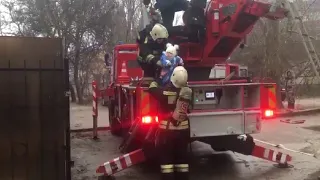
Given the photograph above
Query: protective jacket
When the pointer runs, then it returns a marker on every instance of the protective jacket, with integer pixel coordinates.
(173, 104)
(173, 136)
(149, 52)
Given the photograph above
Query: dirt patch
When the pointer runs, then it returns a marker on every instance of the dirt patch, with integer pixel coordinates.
(88, 154)
(308, 149)
(81, 117)
(314, 176)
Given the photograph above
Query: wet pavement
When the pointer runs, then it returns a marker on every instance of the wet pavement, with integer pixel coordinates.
(89, 154)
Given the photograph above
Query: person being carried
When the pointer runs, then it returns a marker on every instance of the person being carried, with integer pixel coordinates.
(169, 61)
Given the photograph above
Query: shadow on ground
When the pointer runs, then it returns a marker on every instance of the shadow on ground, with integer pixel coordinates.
(217, 166)
(313, 128)
(89, 154)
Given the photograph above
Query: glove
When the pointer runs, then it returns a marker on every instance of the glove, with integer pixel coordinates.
(168, 63)
(174, 122)
(159, 63)
(139, 59)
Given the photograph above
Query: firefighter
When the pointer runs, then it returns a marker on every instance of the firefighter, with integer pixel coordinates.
(290, 83)
(193, 18)
(152, 42)
(168, 9)
(172, 137)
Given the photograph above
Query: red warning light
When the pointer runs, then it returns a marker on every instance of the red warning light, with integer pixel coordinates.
(149, 119)
(268, 113)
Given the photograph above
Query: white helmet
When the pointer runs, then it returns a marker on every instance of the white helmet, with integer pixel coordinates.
(179, 77)
(159, 32)
(172, 49)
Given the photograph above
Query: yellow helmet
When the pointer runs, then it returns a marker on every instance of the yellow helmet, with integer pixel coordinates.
(159, 32)
(179, 77)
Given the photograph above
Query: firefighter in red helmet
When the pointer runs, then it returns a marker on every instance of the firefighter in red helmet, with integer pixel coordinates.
(173, 135)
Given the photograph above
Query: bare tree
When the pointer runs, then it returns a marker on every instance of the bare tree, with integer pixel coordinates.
(133, 13)
(272, 50)
(85, 24)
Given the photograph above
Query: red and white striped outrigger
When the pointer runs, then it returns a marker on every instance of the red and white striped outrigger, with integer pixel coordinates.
(120, 163)
(127, 160)
(271, 155)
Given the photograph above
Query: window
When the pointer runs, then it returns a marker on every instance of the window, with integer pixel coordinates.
(243, 73)
(133, 64)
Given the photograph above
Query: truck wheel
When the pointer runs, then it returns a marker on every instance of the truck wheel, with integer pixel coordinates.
(113, 122)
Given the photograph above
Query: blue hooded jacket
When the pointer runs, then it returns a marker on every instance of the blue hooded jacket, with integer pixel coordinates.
(167, 70)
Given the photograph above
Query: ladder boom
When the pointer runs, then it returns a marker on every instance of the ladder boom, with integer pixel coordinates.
(295, 14)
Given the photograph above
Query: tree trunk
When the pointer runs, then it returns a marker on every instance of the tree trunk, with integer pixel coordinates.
(76, 67)
(97, 78)
(76, 76)
(78, 86)
(73, 93)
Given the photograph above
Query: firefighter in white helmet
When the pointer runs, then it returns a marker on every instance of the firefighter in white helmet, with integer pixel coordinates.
(151, 44)
(173, 136)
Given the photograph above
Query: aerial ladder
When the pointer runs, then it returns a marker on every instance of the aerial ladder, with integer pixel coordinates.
(296, 18)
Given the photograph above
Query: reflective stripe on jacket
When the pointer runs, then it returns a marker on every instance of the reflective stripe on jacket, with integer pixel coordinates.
(165, 124)
(168, 168)
(181, 167)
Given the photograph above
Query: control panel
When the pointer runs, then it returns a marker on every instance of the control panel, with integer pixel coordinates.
(204, 96)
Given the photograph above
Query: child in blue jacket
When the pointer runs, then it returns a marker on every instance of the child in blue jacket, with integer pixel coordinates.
(169, 60)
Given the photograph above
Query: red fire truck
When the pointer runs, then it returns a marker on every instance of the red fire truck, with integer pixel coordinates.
(227, 105)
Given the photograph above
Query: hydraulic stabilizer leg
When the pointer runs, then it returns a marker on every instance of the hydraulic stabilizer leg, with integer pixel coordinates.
(272, 155)
(118, 164)
(135, 157)
(263, 152)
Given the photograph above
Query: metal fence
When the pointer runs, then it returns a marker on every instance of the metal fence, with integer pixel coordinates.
(34, 109)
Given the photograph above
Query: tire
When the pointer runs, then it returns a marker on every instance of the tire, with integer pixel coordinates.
(113, 122)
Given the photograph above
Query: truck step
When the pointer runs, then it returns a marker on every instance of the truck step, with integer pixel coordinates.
(120, 163)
